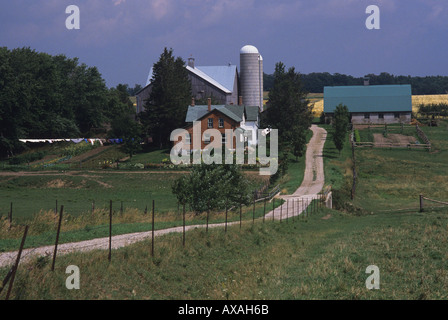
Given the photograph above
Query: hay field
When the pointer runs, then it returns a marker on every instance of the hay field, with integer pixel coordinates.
(318, 101)
(428, 99)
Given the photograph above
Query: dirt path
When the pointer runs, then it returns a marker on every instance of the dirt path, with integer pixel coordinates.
(296, 203)
(313, 180)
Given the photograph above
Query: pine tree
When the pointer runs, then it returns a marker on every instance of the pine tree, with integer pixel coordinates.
(289, 112)
(340, 124)
(170, 96)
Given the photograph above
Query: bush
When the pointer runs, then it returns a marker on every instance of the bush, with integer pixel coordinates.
(26, 158)
(357, 136)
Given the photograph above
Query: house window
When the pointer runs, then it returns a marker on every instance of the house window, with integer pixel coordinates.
(396, 115)
(187, 139)
(381, 115)
(224, 138)
(221, 122)
(210, 122)
(206, 138)
(366, 115)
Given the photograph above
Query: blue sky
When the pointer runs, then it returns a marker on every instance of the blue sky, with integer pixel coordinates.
(123, 38)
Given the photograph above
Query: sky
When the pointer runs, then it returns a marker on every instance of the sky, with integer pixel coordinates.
(124, 38)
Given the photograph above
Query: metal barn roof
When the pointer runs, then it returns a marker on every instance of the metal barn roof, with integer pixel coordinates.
(224, 75)
(385, 98)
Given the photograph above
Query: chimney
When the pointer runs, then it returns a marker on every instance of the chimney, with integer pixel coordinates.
(191, 62)
(209, 100)
(192, 101)
(240, 100)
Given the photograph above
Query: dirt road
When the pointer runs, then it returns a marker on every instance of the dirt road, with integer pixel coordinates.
(295, 204)
(313, 180)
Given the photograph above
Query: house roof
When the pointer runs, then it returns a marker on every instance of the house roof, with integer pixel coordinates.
(385, 98)
(234, 112)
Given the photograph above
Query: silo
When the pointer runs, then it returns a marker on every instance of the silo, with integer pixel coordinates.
(251, 76)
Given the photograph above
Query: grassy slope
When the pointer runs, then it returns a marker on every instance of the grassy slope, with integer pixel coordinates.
(307, 259)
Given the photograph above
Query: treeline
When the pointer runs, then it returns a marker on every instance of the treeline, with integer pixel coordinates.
(315, 82)
(45, 96)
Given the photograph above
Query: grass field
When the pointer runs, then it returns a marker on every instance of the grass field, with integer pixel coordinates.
(324, 256)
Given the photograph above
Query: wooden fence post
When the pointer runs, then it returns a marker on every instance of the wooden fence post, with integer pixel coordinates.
(110, 231)
(152, 236)
(421, 203)
(287, 209)
(241, 214)
(253, 213)
(264, 210)
(206, 227)
(57, 238)
(273, 208)
(10, 216)
(225, 229)
(16, 265)
(183, 218)
(281, 212)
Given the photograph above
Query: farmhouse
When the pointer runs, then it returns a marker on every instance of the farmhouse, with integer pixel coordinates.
(222, 83)
(371, 104)
(222, 118)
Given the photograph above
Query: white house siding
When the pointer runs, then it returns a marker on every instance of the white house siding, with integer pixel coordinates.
(251, 126)
(388, 117)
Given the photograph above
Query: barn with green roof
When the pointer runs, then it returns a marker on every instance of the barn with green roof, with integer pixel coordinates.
(371, 104)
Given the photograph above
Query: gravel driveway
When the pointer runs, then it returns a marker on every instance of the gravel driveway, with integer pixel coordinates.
(312, 184)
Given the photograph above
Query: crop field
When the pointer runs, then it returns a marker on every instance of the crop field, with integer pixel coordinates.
(428, 99)
(316, 99)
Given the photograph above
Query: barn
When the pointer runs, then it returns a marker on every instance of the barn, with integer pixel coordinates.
(223, 83)
(371, 104)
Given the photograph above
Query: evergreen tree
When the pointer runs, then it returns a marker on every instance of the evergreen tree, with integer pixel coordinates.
(340, 124)
(170, 96)
(289, 112)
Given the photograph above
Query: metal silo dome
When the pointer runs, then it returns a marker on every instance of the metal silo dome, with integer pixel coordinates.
(248, 49)
(251, 76)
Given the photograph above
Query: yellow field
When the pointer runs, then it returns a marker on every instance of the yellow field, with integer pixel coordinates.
(317, 101)
(428, 99)
(416, 101)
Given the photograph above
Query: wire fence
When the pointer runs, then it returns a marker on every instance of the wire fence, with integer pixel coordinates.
(47, 246)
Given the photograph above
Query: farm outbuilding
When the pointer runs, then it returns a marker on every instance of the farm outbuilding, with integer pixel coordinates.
(223, 83)
(376, 104)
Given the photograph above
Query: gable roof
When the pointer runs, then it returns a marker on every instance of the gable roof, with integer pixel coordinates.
(209, 79)
(381, 98)
(224, 75)
(234, 112)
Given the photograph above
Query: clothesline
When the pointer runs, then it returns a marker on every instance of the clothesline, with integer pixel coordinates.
(78, 140)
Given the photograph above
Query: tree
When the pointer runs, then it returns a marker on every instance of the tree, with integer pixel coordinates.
(289, 112)
(170, 96)
(212, 187)
(44, 96)
(340, 124)
(126, 128)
